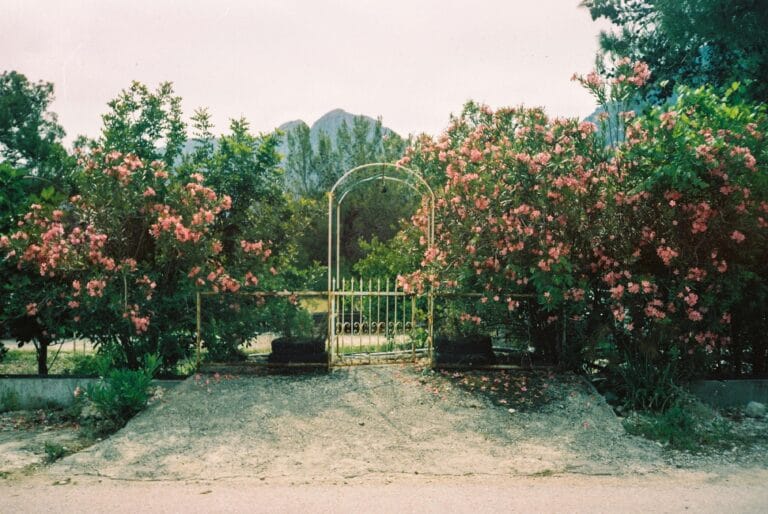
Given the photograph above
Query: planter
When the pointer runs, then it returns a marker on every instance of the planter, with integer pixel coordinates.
(288, 350)
(464, 350)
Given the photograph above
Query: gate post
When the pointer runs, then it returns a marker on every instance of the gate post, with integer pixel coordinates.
(329, 342)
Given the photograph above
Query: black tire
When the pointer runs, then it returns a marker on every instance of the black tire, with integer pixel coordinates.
(465, 351)
(290, 346)
(464, 345)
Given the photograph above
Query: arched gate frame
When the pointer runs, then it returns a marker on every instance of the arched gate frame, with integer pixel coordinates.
(347, 183)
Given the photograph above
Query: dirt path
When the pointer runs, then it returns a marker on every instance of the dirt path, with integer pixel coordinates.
(363, 422)
(676, 492)
(395, 438)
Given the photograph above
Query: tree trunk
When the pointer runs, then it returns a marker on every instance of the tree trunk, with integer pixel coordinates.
(131, 359)
(42, 356)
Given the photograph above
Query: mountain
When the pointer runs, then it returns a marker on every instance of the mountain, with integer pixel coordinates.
(328, 123)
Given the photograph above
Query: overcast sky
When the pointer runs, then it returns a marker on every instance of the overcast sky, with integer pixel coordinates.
(413, 62)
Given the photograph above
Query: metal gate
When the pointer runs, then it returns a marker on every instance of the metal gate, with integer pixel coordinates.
(370, 320)
(377, 322)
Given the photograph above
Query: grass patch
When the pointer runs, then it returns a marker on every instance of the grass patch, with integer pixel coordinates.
(687, 425)
(23, 362)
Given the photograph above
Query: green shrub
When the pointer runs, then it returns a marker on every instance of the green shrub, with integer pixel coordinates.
(647, 384)
(686, 425)
(122, 393)
(54, 451)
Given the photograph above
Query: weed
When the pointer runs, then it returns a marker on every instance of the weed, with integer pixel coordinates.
(54, 451)
(686, 425)
(647, 385)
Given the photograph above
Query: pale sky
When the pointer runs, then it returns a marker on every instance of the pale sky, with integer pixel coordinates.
(413, 62)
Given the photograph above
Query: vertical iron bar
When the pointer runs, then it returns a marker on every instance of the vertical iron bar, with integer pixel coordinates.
(378, 311)
(413, 326)
(198, 336)
(430, 323)
(338, 240)
(343, 309)
(335, 318)
(368, 295)
(405, 317)
(360, 318)
(394, 326)
(386, 323)
(331, 281)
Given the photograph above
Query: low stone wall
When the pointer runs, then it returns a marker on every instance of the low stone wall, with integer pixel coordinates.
(37, 392)
(731, 393)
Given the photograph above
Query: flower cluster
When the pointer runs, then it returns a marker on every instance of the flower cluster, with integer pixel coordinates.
(662, 231)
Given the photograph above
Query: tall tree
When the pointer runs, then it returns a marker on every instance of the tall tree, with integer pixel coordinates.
(367, 214)
(145, 123)
(325, 164)
(690, 42)
(34, 168)
(299, 172)
(30, 136)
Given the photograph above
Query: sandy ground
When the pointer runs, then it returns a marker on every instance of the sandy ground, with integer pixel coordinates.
(677, 492)
(382, 439)
(377, 422)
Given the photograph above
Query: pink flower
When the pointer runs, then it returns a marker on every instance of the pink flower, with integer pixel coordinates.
(668, 120)
(31, 309)
(482, 203)
(140, 323)
(96, 288)
(251, 279)
(666, 254)
(738, 236)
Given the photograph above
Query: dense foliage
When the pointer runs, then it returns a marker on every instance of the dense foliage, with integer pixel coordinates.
(638, 241)
(372, 213)
(689, 42)
(655, 247)
(120, 260)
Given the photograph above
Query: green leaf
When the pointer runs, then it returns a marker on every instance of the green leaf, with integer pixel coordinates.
(47, 193)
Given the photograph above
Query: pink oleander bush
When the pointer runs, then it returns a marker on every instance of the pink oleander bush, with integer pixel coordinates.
(655, 245)
(121, 260)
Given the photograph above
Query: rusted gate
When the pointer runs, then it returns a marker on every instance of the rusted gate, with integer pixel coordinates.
(376, 321)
